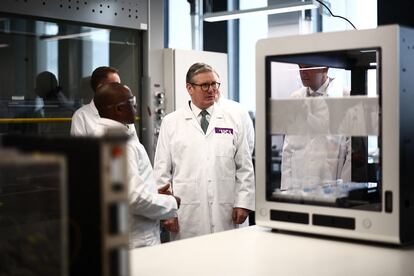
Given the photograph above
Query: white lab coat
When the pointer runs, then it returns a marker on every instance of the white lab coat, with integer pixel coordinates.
(146, 206)
(234, 108)
(212, 173)
(312, 159)
(85, 119)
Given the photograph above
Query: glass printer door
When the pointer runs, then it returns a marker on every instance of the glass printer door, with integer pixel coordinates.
(323, 129)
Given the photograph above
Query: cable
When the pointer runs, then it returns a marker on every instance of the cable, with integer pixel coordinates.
(333, 15)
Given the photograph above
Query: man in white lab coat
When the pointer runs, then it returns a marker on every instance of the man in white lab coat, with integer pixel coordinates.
(203, 151)
(117, 109)
(313, 157)
(84, 119)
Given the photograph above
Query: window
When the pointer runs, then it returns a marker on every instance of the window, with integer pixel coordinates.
(46, 67)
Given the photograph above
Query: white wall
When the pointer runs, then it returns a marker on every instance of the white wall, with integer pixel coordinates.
(179, 25)
(363, 14)
(251, 30)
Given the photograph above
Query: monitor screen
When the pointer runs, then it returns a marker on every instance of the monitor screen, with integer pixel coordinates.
(323, 129)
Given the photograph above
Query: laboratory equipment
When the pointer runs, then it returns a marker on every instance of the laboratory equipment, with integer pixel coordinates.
(33, 214)
(97, 199)
(335, 158)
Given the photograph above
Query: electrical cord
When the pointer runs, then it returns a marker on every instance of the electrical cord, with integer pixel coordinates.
(333, 15)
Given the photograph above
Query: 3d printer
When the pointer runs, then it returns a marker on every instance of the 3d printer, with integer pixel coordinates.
(334, 134)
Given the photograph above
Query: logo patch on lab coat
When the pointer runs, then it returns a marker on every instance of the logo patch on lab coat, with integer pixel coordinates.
(223, 130)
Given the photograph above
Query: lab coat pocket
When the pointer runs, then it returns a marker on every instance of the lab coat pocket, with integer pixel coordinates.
(224, 146)
(186, 189)
(226, 191)
(224, 152)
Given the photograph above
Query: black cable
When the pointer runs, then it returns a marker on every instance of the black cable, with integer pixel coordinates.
(333, 15)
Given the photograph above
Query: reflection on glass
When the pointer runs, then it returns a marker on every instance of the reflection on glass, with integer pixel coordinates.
(46, 68)
(323, 129)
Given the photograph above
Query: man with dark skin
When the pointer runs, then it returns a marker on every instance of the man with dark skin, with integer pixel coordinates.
(115, 106)
(117, 109)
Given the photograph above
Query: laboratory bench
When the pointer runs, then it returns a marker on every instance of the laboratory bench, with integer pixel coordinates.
(259, 251)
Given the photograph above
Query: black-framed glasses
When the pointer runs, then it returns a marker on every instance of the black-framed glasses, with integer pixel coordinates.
(132, 101)
(206, 86)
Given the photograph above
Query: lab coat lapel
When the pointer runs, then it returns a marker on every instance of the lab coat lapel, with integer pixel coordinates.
(190, 118)
(215, 120)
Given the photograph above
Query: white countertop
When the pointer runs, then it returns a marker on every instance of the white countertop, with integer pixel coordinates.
(256, 251)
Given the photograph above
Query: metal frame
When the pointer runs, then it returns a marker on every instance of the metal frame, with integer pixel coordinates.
(127, 14)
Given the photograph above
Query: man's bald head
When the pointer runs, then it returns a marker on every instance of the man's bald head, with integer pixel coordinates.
(113, 101)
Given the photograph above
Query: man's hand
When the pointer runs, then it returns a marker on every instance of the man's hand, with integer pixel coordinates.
(239, 215)
(165, 190)
(171, 225)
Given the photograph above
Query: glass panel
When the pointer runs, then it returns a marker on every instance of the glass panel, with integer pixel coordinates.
(323, 129)
(46, 68)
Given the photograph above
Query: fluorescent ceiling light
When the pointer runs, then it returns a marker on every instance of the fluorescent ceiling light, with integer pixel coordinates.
(312, 68)
(274, 9)
(69, 36)
(368, 51)
(96, 35)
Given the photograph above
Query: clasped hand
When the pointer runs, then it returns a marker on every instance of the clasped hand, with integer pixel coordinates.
(165, 190)
(170, 225)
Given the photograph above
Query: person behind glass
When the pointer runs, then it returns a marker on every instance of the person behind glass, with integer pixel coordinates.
(314, 157)
(48, 89)
(203, 152)
(85, 118)
(117, 108)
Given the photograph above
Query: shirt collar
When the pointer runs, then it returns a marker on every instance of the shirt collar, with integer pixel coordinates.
(109, 123)
(197, 110)
(94, 109)
(322, 91)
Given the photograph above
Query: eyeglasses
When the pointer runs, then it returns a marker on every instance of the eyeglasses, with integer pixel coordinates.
(206, 86)
(132, 101)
